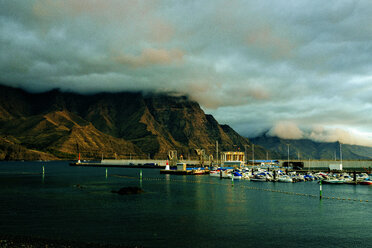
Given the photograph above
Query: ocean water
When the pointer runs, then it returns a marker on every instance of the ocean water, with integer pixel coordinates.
(76, 204)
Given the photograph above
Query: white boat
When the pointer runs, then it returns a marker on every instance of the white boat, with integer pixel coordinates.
(366, 182)
(362, 177)
(347, 178)
(333, 180)
(255, 179)
(259, 178)
(215, 173)
(247, 176)
(285, 179)
(220, 173)
(235, 176)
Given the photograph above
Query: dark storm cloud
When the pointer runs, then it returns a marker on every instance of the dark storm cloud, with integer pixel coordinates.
(291, 67)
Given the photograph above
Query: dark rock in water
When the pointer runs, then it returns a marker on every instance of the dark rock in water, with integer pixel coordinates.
(79, 186)
(128, 191)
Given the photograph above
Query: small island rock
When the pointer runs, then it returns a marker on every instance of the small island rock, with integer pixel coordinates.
(128, 191)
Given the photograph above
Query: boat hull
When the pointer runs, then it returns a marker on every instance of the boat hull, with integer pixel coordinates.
(367, 182)
(258, 179)
(333, 181)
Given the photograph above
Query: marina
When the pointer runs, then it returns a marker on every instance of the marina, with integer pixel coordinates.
(267, 170)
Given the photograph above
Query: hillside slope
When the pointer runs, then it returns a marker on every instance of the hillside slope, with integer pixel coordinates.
(120, 125)
(308, 149)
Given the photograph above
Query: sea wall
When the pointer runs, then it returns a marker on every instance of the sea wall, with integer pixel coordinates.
(141, 162)
(346, 164)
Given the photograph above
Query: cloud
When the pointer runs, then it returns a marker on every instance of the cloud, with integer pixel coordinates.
(344, 136)
(150, 57)
(213, 95)
(286, 130)
(253, 65)
(290, 130)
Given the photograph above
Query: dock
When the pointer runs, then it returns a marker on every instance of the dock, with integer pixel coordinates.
(86, 164)
(184, 172)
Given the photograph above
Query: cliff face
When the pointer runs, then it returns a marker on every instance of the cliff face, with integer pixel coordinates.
(122, 125)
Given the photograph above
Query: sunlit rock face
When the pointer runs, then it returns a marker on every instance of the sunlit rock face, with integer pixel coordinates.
(57, 124)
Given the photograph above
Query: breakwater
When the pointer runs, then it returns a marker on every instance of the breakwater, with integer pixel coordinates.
(322, 164)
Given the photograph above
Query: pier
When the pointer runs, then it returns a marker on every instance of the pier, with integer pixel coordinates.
(185, 172)
(358, 166)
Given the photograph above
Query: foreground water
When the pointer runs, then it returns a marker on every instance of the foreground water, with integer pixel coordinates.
(76, 203)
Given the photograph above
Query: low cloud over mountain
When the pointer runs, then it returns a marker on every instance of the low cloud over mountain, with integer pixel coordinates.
(250, 64)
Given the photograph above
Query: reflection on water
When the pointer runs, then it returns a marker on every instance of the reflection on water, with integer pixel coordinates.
(72, 203)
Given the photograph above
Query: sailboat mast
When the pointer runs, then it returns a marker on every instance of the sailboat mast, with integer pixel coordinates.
(217, 152)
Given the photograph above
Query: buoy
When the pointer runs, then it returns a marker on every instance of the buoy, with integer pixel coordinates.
(43, 176)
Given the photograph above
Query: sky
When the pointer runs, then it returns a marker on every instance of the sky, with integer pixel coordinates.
(294, 69)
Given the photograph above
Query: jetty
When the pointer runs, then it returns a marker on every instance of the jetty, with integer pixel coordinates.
(97, 164)
(185, 172)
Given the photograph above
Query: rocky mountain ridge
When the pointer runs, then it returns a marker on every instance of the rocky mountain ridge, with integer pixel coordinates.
(58, 125)
(308, 149)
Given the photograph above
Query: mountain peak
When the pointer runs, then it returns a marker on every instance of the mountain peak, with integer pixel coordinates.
(115, 124)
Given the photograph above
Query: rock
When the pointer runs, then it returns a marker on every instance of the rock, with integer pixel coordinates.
(79, 186)
(128, 191)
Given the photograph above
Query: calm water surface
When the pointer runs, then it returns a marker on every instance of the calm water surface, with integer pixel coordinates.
(76, 203)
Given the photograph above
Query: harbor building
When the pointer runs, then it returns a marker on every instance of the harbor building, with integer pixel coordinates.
(233, 159)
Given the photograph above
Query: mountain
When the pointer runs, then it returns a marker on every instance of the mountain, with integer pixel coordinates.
(308, 149)
(58, 125)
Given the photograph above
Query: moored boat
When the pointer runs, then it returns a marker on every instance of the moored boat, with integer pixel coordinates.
(333, 180)
(235, 175)
(259, 178)
(285, 179)
(215, 173)
(366, 182)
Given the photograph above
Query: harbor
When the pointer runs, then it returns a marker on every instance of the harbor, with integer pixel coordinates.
(233, 166)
